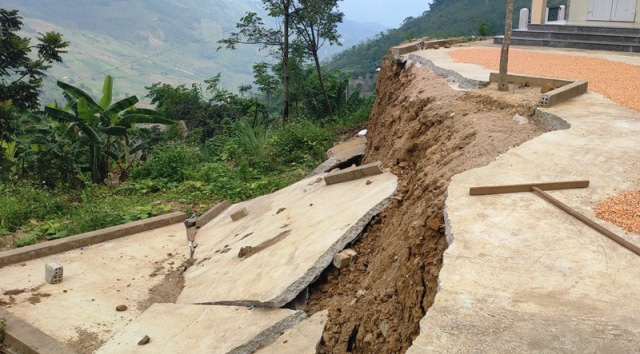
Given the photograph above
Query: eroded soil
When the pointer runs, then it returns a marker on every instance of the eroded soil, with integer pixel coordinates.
(425, 132)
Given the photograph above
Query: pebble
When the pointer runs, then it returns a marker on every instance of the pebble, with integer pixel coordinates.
(144, 340)
(121, 308)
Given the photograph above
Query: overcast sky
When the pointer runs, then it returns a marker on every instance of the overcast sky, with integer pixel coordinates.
(386, 12)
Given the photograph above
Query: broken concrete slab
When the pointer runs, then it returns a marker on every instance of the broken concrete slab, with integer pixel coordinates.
(302, 338)
(97, 278)
(212, 213)
(341, 153)
(347, 145)
(297, 230)
(354, 173)
(175, 328)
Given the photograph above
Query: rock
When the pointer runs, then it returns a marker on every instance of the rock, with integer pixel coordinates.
(435, 46)
(191, 222)
(434, 223)
(344, 258)
(368, 338)
(384, 328)
(121, 308)
(144, 340)
(520, 119)
(447, 45)
(546, 88)
(369, 182)
(360, 293)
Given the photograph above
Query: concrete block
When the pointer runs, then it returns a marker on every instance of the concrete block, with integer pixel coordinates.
(53, 273)
(237, 215)
(212, 213)
(351, 174)
(48, 248)
(344, 258)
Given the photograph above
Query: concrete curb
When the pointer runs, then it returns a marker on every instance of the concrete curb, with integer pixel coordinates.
(26, 339)
(212, 213)
(82, 240)
(464, 82)
(565, 89)
(419, 45)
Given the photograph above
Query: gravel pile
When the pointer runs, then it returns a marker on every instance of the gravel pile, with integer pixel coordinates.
(622, 210)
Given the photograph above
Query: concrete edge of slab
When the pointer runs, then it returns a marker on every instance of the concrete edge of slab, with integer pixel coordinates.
(26, 339)
(533, 80)
(89, 238)
(564, 93)
(464, 82)
(419, 45)
(270, 334)
(350, 174)
(326, 166)
(212, 213)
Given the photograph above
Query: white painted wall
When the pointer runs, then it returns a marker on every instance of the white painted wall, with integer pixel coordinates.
(578, 12)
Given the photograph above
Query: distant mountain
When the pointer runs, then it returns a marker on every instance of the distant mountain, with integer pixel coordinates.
(352, 33)
(445, 18)
(179, 36)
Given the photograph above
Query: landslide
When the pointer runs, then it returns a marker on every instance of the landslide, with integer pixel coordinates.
(425, 132)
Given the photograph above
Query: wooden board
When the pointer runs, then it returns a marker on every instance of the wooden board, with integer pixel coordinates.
(519, 188)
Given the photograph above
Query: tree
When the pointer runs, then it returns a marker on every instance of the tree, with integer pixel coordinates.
(20, 74)
(252, 30)
(316, 23)
(503, 85)
(267, 83)
(103, 126)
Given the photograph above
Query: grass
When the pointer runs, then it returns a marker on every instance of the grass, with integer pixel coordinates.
(241, 164)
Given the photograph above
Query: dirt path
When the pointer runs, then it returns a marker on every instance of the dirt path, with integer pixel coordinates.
(618, 81)
(426, 132)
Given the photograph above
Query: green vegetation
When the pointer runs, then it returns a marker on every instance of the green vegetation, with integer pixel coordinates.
(91, 163)
(446, 18)
(3, 324)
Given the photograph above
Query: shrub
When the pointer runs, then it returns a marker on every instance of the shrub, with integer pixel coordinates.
(171, 162)
(20, 203)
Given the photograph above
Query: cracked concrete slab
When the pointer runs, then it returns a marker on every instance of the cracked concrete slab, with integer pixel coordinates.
(302, 338)
(521, 275)
(96, 279)
(287, 240)
(178, 328)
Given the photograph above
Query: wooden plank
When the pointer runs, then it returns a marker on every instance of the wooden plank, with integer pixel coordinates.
(592, 224)
(519, 188)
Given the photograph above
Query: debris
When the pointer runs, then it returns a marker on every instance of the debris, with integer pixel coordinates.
(371, 169)
(237, 215)
(369, 182)
(344, 258)
(447, 45)
(546, 88)
(144, 340)
(360, 293)
(363, 132)
(384, 328)
(53, 273)
(121, 308)
(520, 119)
(191, 222)
(318, 180)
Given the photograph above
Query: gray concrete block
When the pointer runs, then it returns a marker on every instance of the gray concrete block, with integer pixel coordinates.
(351, 174)
(239, 214)
(53, 273)
(212, 213)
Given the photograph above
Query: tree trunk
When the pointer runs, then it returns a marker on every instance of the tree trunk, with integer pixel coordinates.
(503, 85)
(321, 80)
(285, 58)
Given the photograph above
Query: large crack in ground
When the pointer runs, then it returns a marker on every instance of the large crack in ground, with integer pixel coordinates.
(426, 133)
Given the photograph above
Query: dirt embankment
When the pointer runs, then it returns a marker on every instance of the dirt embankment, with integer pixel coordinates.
(426, 133)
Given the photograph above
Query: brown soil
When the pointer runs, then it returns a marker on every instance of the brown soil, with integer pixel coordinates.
(169, 289)
(426, 133)
(85, 342)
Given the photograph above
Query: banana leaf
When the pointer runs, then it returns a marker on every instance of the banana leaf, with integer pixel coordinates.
(107, 89)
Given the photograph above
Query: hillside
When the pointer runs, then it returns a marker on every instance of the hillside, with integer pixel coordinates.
(446, 18)
(106, 34)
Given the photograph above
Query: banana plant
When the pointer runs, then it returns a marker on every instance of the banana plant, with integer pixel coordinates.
(104, 126)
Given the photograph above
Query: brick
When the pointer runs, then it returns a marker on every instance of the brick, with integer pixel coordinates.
(237, 215)
(53, 273)
(351, 174)
(212, 213)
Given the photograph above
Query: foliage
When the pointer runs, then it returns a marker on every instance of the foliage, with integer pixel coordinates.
(484, 29)
(20, 74)
(172, 162)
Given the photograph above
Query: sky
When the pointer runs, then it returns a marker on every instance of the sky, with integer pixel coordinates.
(389, 13)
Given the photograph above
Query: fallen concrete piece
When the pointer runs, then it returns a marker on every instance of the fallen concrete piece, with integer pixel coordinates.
(24, 338)
(289, 238)
(237, 215)
(344, 258)
(174, 328)
(97, 279)
(90, 238)
(350, 174)
(303, 338)
(212, 213)
(346, 146)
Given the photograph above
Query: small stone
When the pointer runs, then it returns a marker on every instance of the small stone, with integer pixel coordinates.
(368, 338)
(447, 45)
(369, 182)
(144, 340)
(384, 328)
(546, 88)
(520, 119)
(121, 308)
(360, 293)
(344, 258)
(435, 46)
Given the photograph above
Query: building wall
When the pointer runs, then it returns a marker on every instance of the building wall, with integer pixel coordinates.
(578, 12)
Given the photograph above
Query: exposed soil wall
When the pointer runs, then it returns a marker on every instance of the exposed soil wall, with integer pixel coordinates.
(425, 132)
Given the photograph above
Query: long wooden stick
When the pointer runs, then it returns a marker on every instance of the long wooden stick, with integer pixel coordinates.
(518, 188)
(622, 242)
